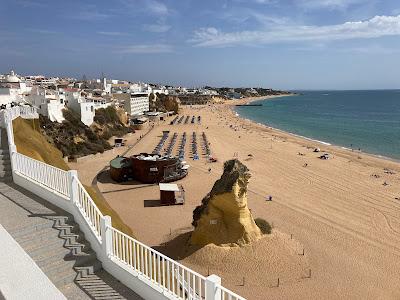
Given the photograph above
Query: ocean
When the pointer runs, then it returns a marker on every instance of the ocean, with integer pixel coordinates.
(369, 120)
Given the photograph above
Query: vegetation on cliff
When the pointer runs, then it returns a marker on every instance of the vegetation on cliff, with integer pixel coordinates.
(74, 139)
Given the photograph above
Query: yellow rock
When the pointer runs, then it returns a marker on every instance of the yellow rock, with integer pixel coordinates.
(224, 217)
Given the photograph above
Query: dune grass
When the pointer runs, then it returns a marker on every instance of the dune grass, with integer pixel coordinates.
(32, 143)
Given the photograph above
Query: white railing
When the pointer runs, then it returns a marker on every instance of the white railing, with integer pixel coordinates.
(166, 273)
(24, 111)
(28, 112)
(89, 210)
(14, 112)
(49, 176)
(226, 294)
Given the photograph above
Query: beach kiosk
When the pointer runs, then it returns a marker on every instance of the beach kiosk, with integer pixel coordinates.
(171, 194)
(120, 169)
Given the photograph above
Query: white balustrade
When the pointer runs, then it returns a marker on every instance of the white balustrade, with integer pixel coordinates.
(160, 269)
(47, 175)
(89, 210)
(14, 112)
(226, 294)
(24, 111)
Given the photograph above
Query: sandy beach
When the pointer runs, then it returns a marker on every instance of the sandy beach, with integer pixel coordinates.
(338, 211)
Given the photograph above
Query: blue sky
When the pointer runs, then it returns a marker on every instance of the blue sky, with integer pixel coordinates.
(287, 44)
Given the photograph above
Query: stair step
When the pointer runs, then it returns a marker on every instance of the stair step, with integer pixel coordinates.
(46, 233)
(5, 173)
(32, 247)
(33, 229)
(5, 167)
(88, 269)
(23, 231)
(41, 234)
(65, 277)
(46, 258)
(61, 279)
(54, 243)
(6, 179)
(69, 229)
(63, 220)
(61, 265)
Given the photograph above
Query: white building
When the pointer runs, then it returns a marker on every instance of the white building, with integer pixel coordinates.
(159, 90)
(85, 106)
(12, 89)
(138, 104)
(49, 103)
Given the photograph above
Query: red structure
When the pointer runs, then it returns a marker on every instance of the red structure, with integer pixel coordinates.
(147, 168)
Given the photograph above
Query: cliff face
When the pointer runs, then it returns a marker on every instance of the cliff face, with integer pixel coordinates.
(224, 217)
(75, 139)
(162, 102)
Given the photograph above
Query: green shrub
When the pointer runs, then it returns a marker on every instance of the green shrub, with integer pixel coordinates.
(264, 226)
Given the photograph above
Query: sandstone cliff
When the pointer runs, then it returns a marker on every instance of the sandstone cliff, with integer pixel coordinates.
(224, 217)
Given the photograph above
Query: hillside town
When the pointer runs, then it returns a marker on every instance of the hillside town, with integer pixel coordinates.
(51, 96)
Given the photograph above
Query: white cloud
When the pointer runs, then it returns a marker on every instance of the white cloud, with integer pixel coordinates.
(378, 26)
(152, 7)
(157, 7)
(331, 4)
(90, 16)
(244, 15)
(146, 49)
(159, 28)
(111, 33)
(372, 49)
(42, 31)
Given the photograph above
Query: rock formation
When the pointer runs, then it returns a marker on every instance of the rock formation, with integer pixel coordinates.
(224, 217)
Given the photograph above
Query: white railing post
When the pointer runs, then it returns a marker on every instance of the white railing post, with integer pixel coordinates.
(73, 186)
(212, 290)
(106, 235)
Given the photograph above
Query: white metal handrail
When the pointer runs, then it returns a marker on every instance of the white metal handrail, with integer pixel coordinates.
(227, 294)
(47, 175)
(89, 210)
(155, 266)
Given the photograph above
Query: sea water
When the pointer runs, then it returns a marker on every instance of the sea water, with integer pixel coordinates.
(366, 120)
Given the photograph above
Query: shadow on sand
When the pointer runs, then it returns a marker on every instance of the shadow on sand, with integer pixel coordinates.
(152, 203)
(104, 177)
(178, 247)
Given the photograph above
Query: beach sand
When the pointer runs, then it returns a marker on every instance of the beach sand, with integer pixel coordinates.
(337, 210)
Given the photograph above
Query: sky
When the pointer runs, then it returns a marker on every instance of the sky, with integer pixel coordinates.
(281, 44)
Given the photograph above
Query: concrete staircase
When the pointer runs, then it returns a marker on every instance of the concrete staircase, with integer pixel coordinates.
(53, 240)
